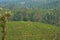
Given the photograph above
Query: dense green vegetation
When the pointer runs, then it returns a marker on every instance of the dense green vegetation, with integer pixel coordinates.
(49, 16)
(46, 11)
(16, 30)
(30, 19)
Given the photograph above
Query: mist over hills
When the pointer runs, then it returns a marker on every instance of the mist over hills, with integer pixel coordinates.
(30, 3)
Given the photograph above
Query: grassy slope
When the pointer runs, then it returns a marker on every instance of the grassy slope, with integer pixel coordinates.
(30, 31)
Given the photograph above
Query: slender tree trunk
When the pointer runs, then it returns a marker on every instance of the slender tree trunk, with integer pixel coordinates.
(3, 32)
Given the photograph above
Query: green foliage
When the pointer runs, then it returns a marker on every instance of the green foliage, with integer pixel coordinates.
(50, 16)
(45, 15)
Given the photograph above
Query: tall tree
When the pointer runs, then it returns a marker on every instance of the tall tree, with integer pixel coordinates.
(3, 19)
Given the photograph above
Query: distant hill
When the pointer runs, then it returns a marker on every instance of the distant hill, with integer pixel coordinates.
(30, 3)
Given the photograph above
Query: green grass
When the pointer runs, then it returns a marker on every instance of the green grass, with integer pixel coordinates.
(30, 31)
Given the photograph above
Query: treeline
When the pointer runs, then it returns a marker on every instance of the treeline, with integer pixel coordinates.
(50, 16)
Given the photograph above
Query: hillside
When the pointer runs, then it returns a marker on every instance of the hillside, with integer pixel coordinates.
(30, 3)
(31, 31)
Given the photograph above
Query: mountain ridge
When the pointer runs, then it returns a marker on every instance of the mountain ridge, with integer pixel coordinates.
(31, 3)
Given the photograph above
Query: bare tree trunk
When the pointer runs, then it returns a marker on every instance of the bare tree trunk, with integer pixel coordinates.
(3, 32)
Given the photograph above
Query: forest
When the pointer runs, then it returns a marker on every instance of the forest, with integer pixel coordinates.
(49, 16)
